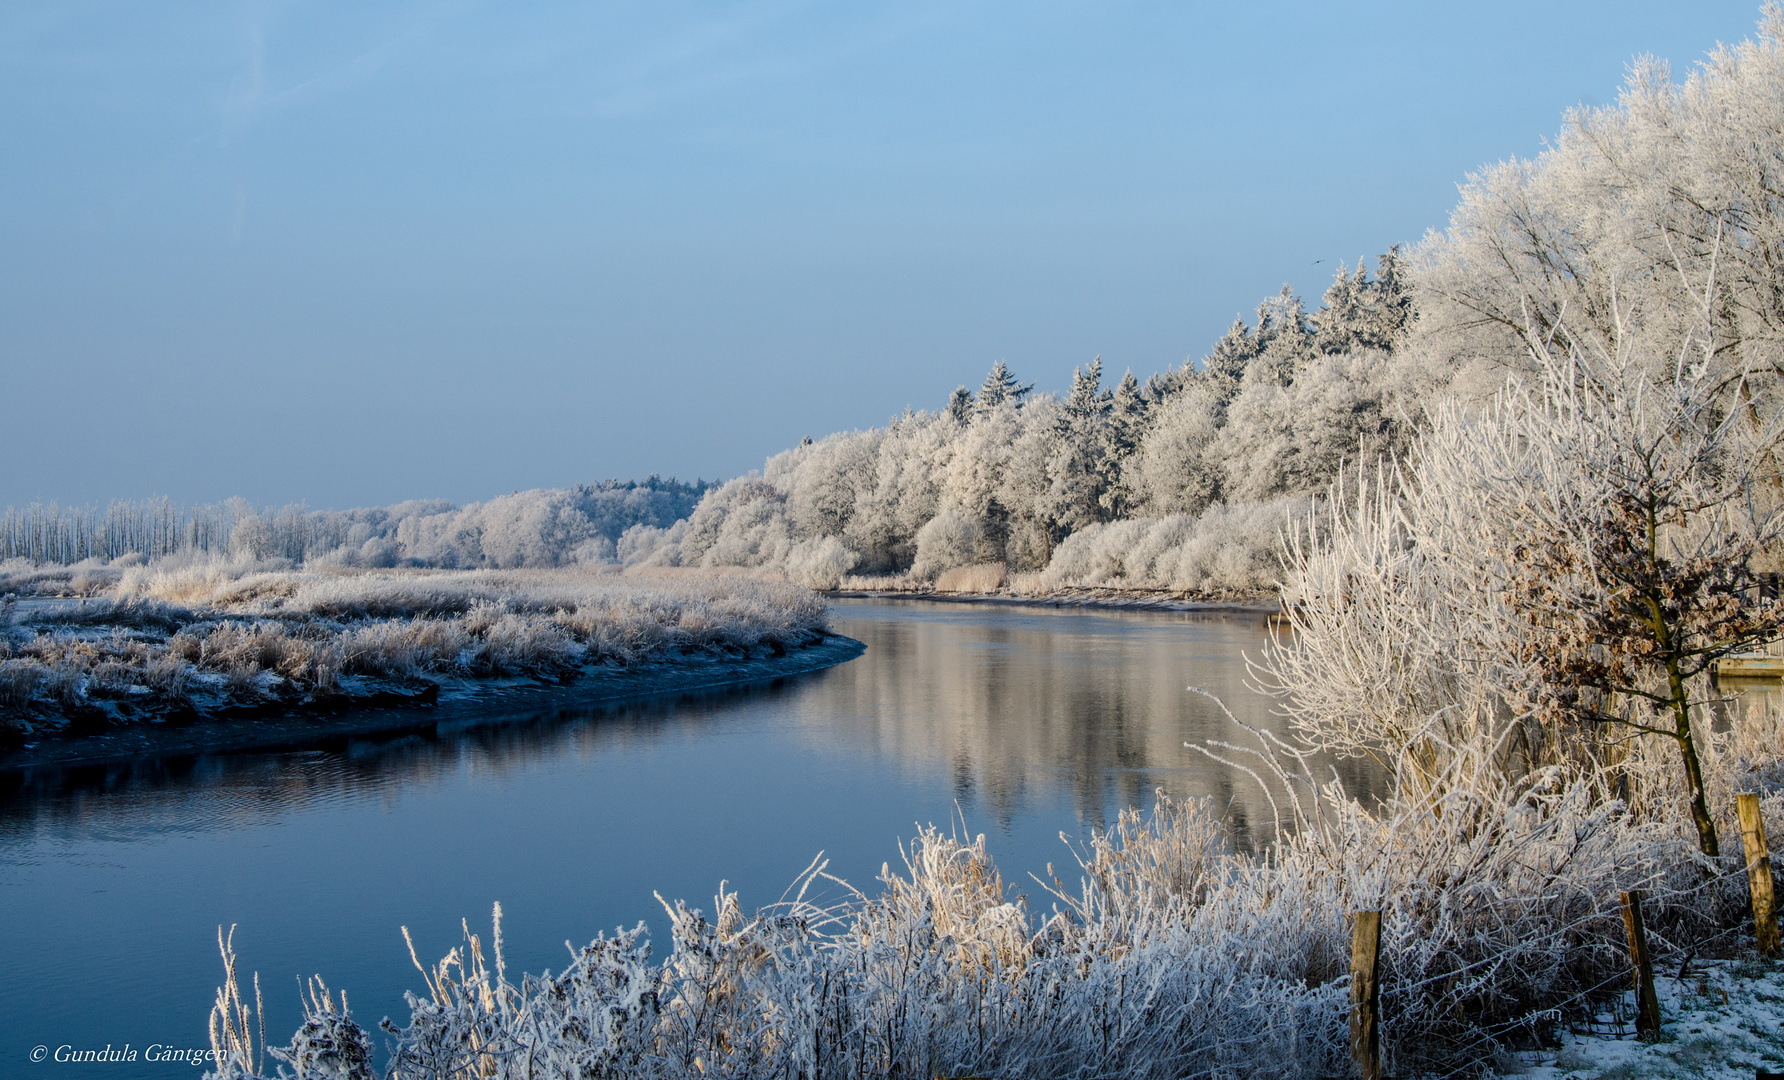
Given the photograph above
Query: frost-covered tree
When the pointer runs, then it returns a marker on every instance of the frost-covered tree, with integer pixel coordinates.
(1025, 535)
(1001, 387)
(948, 540)
(1637, 510)
(1358, 312)
(960, 405)
(1126, 426)
(1225, 364)
(1079, 470)
(1630, 208)
(1176, 472)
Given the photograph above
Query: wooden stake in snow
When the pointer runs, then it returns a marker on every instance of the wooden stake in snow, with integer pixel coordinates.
(1759, 873)
(1365, 995)
(1647, 1007)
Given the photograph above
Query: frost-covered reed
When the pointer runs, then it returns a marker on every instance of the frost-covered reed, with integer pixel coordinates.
(212, 634)
(978, 578)
(1163, 953)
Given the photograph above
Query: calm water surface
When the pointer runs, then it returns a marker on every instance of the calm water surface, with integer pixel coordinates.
(1023, 722)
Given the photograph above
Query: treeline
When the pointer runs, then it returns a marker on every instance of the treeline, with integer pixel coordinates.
(1645, 221)
(1005, 474)
(1656, 214)
(150, 528)
(549, 527)
(1002, 475)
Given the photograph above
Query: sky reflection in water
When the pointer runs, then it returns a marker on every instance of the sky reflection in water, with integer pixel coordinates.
(1024, 722)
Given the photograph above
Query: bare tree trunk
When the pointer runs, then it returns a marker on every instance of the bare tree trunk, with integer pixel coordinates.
(1700, 811)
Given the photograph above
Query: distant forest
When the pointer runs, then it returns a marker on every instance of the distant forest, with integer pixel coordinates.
(528, 528)
(1001, 474)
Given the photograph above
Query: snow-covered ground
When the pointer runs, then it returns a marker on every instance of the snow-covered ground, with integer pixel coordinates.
(1723, 1020)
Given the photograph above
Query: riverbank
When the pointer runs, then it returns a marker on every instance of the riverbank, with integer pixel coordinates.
(244, 653)
(1082, 597)
(459, 705)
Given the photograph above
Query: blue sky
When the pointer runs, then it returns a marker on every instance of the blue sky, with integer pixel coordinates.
(351, 253)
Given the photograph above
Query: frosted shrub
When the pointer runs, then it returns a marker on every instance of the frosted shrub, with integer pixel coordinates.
(820, 563)
(950, 539)
(1225, 551)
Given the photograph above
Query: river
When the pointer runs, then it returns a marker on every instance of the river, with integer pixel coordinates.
(1018, 722)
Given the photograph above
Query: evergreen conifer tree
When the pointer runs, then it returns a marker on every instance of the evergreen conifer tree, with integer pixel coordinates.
(960, 405)
(1129, 413)
(1078, 471)
(1001, 386)
(1224, 366)
(1358, 313)
(1284, 339)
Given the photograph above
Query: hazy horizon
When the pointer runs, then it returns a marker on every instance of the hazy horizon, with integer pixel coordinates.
(340, 257)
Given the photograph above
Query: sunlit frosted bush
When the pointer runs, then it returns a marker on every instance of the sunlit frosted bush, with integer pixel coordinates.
(948, 540)
(1226, 550)
(820, 563)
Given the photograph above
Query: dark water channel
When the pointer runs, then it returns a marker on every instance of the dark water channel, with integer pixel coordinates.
(1024, 722)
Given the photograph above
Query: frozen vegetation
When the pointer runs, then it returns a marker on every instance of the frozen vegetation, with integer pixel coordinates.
(556, 527)
(1132, 486)
(85, 647)
(1516, 616)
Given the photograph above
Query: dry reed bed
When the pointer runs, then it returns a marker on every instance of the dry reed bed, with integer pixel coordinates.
(156, 642)
(1172, 955)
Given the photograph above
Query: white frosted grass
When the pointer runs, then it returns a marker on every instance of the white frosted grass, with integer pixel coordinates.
(1163, 954)
(978, 578)
(162, 630)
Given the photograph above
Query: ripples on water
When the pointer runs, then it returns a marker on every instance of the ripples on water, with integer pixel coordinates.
(1022, 722)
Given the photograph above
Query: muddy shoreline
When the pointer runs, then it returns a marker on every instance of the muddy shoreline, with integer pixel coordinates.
(461, 704)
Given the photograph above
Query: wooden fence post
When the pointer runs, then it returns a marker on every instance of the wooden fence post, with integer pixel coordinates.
(1365, 995)
(1647, 1007)
(1759, 873)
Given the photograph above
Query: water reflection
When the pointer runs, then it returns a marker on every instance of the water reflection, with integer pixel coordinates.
(1011, 705)
(185, 793)
(1020, 703)
(1027, 722)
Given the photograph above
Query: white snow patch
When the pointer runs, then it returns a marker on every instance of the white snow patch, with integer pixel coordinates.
(1723, 1021)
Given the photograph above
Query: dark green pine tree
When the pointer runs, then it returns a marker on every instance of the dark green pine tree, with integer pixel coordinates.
(1224, 366)
(1001, 386)
(960, 405)
(1359, 313)
(1129, 413)
(1078, 470)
